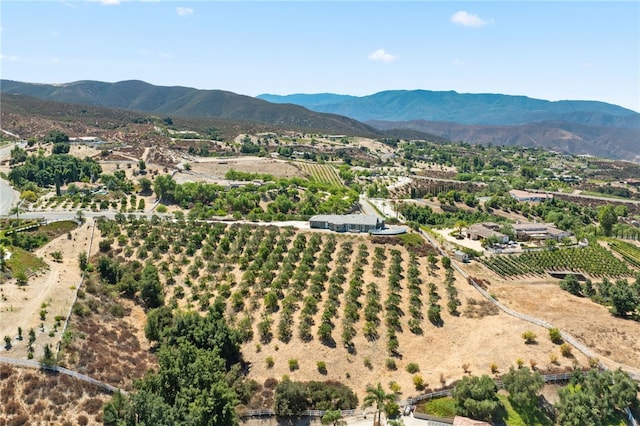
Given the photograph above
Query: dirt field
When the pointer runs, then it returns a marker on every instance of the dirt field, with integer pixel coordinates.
(55, 288)
(216, 168)
(615, 340)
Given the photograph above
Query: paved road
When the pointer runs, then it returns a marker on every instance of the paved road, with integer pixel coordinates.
(8, 196)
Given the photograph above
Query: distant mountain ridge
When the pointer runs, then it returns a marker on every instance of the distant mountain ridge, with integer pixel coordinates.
(577, 127)
(138, 95)
(451, 106)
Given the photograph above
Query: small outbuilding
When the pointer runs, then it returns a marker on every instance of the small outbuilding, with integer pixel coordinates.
(461, 256)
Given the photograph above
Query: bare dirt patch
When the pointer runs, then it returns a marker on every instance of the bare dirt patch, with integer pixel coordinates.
(614, 339)
(54, 288)
(218, 167)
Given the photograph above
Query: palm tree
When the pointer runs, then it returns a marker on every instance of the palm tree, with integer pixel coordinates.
(16, 210)
(377, 395)
(333, 418)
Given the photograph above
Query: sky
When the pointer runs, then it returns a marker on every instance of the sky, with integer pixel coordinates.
(554, 50)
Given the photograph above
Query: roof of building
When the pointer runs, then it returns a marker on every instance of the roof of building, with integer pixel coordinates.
(483, 231)
(519, 194)
(543, 228)
(353, 219)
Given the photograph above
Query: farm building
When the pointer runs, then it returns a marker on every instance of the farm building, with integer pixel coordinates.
(484, 230)
(539, 231)
(346, 222)
(526, 196)
(461, 256)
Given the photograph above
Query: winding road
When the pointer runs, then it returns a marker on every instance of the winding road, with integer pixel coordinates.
(8, 195)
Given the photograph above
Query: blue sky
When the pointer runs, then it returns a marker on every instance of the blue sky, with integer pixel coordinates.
(551, 50)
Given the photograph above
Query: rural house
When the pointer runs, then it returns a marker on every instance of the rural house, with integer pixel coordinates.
(346, 222)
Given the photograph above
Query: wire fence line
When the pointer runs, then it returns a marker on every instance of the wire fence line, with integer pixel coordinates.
(565, 336)
(62, 370)
(75, 296)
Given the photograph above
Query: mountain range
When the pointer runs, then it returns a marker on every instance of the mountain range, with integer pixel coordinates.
(577, 127)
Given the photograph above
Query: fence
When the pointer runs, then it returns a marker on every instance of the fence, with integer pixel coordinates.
(565, 336)
(62, 370)
(75, 296)
(306, 413)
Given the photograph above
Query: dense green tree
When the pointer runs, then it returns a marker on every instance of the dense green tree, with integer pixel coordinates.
(477, 397)
(607, 218)
(61, 148)
(571, 284)
(157, 320)
(624, 298)
(151, 290)
(523, 385)
(290, 398)
(163, 186)
(595, 397)
(56, 136)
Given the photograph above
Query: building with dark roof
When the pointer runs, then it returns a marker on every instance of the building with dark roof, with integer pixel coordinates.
(346, 222)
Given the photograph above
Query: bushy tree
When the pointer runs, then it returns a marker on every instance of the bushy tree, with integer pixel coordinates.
(150, 287)
(595, 397)
(523, 385)
(571, 284)
(477, 397)
(624, 298)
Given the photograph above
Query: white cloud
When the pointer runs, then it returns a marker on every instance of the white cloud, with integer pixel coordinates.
(184, 11)
(8, 58)
(109, 2)
(382, 56)
(55, 61)
(586, 64)
(459, 62)
(467, 19)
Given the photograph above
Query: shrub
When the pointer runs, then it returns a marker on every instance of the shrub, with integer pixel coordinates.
(565, 350)
(493, 367)
(412, 368)
(293, 364)
(269, 361)
(391, 364)
(553, 358)
(322, 367)
(418, 382)
(529, 337)
(555, 336)
(395, 387)
(368, 363)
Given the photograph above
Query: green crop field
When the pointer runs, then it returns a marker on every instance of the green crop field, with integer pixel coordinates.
(594, 260)
(322, 173)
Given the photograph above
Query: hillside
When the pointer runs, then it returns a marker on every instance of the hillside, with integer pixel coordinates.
(187, 102)
(580, 139)
(576, 127)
